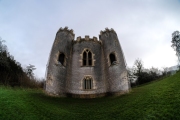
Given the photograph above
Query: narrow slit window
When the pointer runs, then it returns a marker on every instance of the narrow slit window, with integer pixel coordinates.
(84, 58)
(90, 58)
(112, 58)
(61, 58)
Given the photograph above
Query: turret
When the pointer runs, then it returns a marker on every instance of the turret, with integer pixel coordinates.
(116, 73)
(59, 62)
(86, 67)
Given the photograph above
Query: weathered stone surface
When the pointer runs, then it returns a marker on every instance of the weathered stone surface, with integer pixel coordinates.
(68, 78)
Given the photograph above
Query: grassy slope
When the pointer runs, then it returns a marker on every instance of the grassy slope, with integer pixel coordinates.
(158, 100)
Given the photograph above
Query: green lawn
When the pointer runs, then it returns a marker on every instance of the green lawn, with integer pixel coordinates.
(157, 100)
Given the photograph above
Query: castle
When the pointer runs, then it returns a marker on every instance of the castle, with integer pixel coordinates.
(86, 67)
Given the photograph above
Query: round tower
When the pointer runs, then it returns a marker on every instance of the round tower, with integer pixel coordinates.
(116, 73)
(59, 62)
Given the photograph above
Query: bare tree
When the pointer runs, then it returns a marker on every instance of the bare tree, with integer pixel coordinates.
(29, 71)
(3, 47)
(132, 77)
(155, 70)
(138, 66)
(165, 71)
(176, 44)
(138, 70)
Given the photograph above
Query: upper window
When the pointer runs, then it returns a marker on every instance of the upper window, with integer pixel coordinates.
(87, 58)
(61, 58)
(112, 58)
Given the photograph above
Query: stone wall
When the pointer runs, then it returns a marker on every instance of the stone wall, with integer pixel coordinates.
(116, 73)
(96, 71)
(67, 79)
(56, 72)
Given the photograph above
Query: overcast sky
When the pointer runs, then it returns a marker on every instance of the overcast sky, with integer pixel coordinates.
(144, 27)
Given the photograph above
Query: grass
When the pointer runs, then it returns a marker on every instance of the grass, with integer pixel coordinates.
(158, 100)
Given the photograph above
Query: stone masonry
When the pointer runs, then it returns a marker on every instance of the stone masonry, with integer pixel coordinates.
(86, 67)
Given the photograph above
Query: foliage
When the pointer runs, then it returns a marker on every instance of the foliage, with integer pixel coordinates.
(29, 71)
(138, 66)
(176, 44)
(158, 100)
(132, 77)
(143, 75)
(11, 72)
(165, 71)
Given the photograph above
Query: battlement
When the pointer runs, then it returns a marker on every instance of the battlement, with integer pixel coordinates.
(106, 31)
(66, 30)
(86, 38)
(86, 67)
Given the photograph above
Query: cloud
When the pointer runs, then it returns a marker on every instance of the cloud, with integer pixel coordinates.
(143, 27)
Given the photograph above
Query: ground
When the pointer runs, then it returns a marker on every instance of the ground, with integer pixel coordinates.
(156, 100)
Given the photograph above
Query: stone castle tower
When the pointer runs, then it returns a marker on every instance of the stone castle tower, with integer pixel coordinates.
(86, 67)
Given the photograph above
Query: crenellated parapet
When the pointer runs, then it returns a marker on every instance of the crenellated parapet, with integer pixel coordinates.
(86, 67)
(86, 38)
(65, 29)
(106, 32)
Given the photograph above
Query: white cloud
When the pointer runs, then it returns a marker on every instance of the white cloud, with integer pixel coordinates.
(144, 27)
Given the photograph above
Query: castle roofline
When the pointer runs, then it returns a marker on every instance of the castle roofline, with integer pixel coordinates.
(87, 38)
(67, 30)
(107, 30)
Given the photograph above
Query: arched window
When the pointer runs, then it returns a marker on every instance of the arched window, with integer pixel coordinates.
(87, 58)
(61, 58)
(87, 83)
(112, 58)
